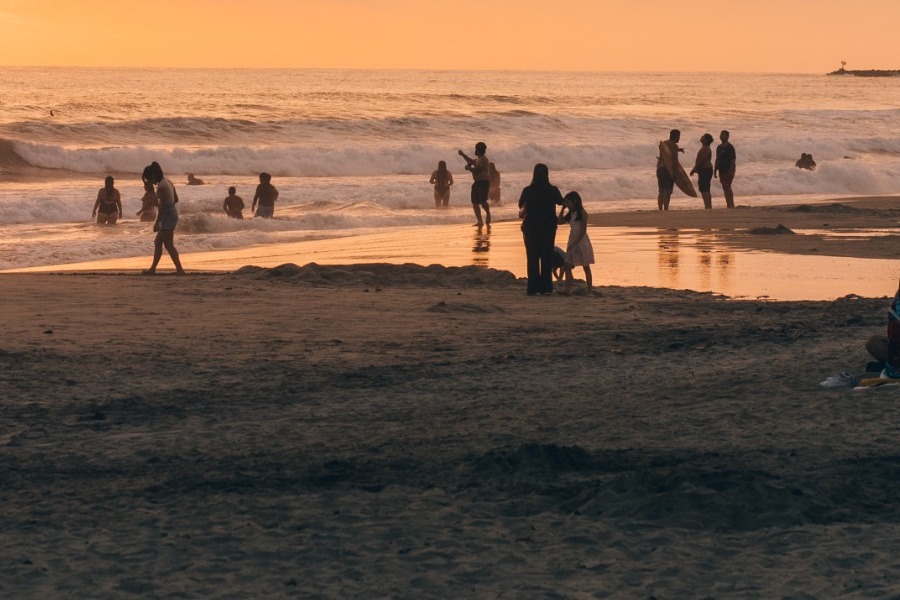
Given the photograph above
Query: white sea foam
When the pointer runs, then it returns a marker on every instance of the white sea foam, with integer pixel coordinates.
(353, 151)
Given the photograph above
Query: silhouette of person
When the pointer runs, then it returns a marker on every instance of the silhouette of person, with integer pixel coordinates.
(494, 190)
(579, 251)
(265, 197)
(441, 179)
(537, 206)
(193, 180)
(481, 184)
(703, 167)
(148, 203)
(806, 162)
(167, 219)
(108, 206)
(233, 204)
(665, 181)
(726, 161)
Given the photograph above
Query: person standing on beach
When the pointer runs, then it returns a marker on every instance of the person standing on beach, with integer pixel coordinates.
(441, 179)
(726, 160)
(480, 169)
(265, 196)
(703, 167)
(579, 251)
(665, 181)
(537, 207)
(108, 207)
(148, 204)
(167, 219)
(494, 191)
(233, 204)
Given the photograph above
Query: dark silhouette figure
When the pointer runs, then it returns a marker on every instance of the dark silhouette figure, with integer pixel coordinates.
(665, 180)
(148, 204)
(265, 196)
(167, 219)
(233, 204)
(537, 207)
(108, 207)
(194, 180)
(441, 179)
(481, 186)
(703, 167)
(806, 162)
(726, 160)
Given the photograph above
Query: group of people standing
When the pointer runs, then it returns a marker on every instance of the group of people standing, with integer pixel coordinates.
(485, 185)
(723, 169)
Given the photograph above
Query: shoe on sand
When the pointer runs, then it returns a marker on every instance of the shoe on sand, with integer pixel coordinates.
(839, 380)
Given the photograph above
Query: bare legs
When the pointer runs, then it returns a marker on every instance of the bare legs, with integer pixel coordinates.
(662, 200)
(165, 237)
(487, 213)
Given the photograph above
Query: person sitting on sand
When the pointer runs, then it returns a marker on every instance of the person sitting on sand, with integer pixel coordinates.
(194, 180)
(108, 207)
(441, 179)
(703, 167)
(886, 348)
(233, 204)
(481, 184)
(148, 203)
(579, 251)
(665, 181)
(559, 263)
(806, 162)
(265, 196)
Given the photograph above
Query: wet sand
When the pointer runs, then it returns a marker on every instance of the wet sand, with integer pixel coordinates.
(401, 431)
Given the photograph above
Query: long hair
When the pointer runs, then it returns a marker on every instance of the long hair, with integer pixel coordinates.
(442, 166)
(541, 176)
(577, 206)
(153, 172)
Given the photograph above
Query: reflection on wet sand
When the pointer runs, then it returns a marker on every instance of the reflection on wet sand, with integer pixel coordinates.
(668, 257)
(481, 245)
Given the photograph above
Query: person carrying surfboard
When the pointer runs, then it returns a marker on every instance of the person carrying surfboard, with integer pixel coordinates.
(668, 153)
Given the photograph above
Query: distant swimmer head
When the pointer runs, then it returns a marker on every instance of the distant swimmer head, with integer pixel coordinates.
(675, 135)
(232, 191)
(264, 177)
(109, 181)
(706, 139)
(480, 149)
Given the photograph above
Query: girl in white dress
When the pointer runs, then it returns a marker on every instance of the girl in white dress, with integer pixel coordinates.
(579, 252)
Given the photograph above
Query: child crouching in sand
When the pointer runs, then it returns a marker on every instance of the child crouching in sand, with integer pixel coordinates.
(579, 251)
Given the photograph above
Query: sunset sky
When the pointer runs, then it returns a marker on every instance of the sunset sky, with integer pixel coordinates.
(596, 35)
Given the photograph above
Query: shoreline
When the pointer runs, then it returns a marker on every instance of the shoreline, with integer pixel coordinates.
(841, 247)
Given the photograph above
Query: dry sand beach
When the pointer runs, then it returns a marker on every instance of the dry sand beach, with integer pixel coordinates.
(378, 430)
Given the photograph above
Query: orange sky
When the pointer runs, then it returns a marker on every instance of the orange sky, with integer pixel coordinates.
(597, 35)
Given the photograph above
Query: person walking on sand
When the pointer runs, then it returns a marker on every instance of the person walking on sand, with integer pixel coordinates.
(481, 184)
(537, 207)
(148, 204)
(494, 191)
(441, 179)
(108, 207)
(703, 167)
(579, 251)
(726, 160)
(265, 197)
(665, 180)
(167, 219)
(233, 204)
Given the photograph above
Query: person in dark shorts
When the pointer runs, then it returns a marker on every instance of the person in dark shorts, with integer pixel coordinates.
(703, 167)
(265, 197)
(726, 159)
(481, 184)
(665, 181)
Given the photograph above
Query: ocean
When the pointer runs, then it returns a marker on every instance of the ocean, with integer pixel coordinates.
(352, 151)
